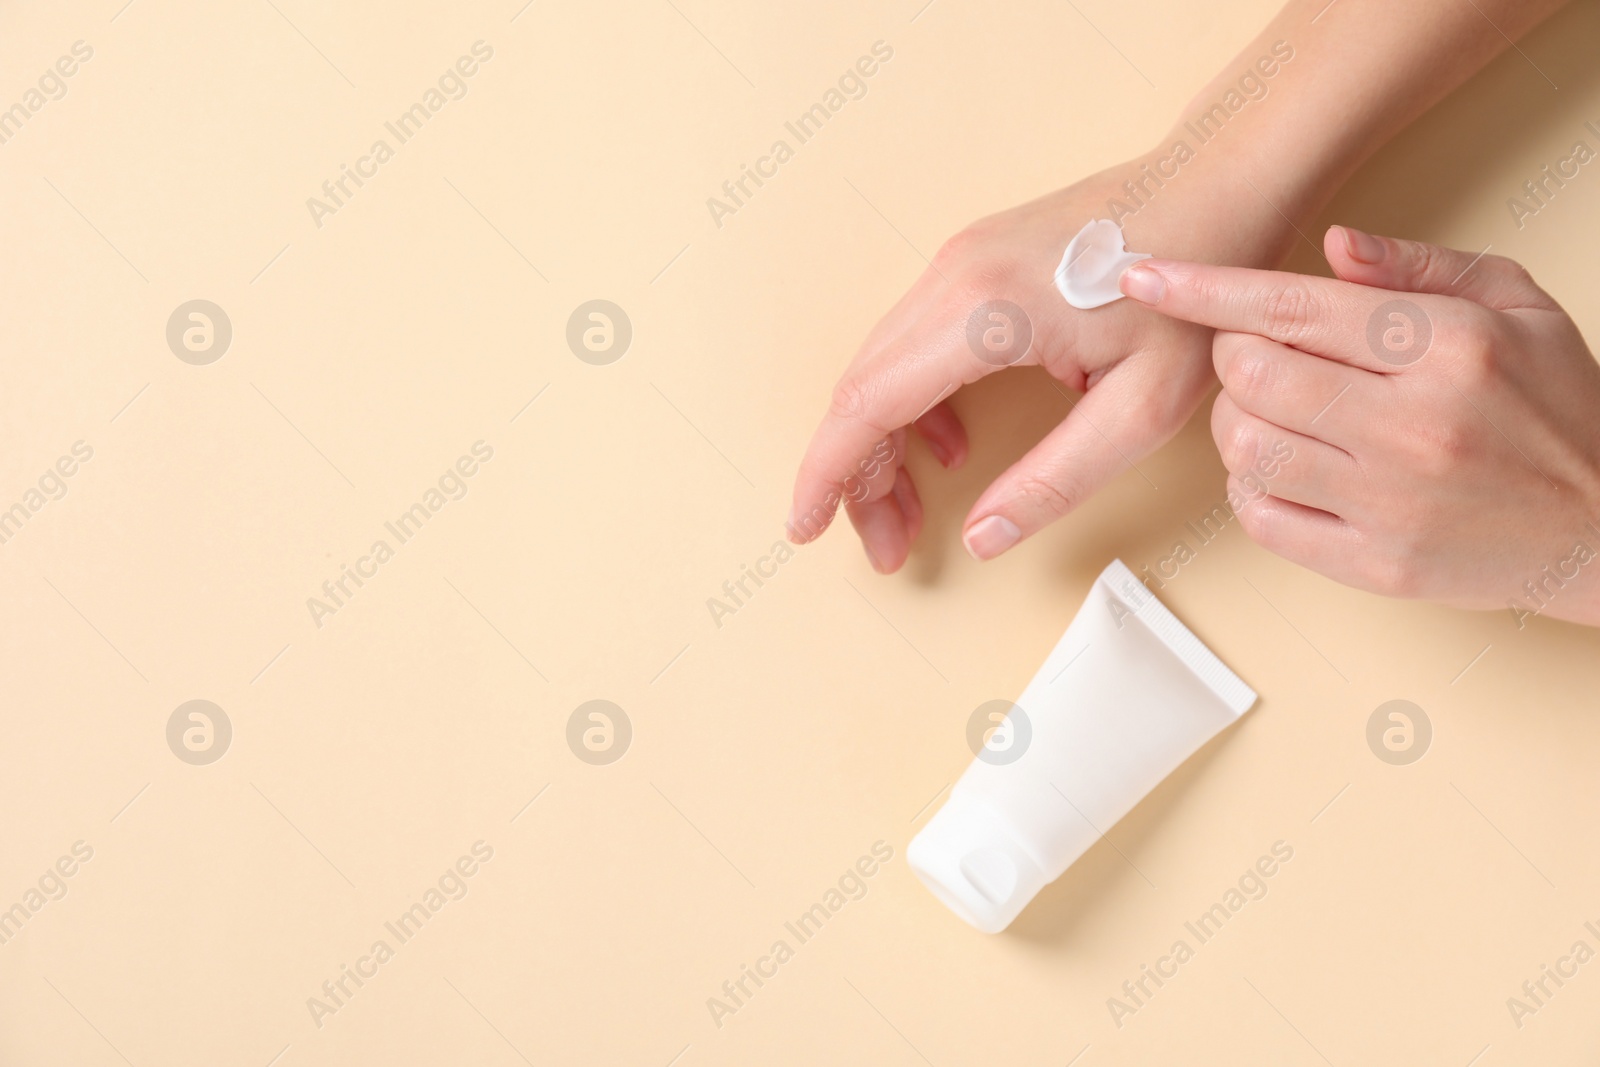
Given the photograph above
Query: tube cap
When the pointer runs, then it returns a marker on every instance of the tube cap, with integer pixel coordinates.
(971, 859)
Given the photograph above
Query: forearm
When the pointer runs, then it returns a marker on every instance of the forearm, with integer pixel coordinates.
(1362, 71)
(1270, 139)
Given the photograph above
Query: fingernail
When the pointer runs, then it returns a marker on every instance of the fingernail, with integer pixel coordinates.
(940, 453)
(1363, 247)
(989, 537)
(1143, 284)
(872, 559)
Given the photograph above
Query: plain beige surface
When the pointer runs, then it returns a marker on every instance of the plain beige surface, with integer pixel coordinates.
(771, 752)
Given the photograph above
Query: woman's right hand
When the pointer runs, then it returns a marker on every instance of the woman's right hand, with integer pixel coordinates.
(1462, 467)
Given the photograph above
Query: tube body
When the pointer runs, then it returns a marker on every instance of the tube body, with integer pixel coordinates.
(1126, 696)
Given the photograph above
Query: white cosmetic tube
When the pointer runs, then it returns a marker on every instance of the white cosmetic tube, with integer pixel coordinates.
(1126, 696)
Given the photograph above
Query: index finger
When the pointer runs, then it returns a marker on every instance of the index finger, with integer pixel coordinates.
(893, 388)
(1322, 316)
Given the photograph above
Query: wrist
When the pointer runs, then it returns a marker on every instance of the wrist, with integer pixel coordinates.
(1566, 584)
(1566, 588)
(1182, 202)
(1249, 160)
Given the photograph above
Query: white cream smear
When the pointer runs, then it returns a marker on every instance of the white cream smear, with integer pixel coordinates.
(1093, 265)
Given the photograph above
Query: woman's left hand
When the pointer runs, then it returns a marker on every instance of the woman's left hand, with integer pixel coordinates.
(1431, 421)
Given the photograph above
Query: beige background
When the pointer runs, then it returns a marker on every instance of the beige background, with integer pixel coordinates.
(768, 753)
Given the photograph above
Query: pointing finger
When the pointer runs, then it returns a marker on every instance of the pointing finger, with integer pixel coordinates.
(1318, 315)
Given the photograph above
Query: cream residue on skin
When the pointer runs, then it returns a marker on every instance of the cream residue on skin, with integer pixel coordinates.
(1093, 264)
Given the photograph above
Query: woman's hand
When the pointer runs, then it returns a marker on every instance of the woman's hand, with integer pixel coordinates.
(1440, 412)
(1142, 375)
(1302, 105)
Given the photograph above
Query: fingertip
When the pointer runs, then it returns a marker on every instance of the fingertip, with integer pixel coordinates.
(1144, 283)
(944, 434)
(882, 526)
(1358, 245)
(990, 536)
(817, 519)
(951, 454)
(1363, 258)
(905, 493)
(1335, 248)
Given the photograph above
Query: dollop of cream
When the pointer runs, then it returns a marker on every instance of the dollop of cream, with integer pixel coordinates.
(1093, 265)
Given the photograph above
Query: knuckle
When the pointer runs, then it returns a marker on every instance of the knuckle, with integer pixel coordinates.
(1507, 266)
(1396, 547)
(953, 251)
(1150, 416)
(1237, 446)
(1397, 572)
(1518, 280)
(1255, 520)
(1045, 496)
(962, 246)
(1249, 378)
(1147, 411)
(1477, 351)
(1226, 347)
(1226, 351)
(1287, 311)
(851, 400)
(1386, 574)
(1435, 453)
(1453, 443)
(1424, 262)
(859, 490)
(978, 278)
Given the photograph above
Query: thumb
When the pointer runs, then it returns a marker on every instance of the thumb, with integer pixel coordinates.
(1414, 267)
(1125, 416)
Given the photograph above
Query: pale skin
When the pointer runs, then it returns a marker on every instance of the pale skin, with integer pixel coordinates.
(1450, 454)
(1360, 71)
